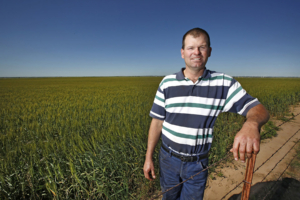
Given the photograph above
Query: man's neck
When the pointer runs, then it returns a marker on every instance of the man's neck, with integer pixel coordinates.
(193, 75)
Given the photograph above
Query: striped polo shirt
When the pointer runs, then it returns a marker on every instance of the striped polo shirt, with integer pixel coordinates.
(189, 110)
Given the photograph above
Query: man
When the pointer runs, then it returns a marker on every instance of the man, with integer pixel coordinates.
(184, 112)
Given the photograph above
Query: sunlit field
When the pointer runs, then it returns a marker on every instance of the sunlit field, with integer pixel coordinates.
(86, 138)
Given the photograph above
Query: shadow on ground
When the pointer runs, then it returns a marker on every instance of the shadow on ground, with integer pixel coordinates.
(286, 189)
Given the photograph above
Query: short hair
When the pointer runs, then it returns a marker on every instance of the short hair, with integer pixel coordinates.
(196, 32)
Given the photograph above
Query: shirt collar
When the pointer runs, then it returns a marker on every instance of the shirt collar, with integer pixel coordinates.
(180, 75)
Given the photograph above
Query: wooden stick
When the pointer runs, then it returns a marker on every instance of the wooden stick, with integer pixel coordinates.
(248, 177)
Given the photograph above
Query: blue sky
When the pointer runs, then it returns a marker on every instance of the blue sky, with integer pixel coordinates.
(141, 38)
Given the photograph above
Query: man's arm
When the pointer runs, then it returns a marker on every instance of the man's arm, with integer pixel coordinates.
(153, 137)
(247, 140)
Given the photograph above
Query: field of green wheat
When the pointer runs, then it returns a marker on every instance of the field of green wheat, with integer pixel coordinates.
(86, 138)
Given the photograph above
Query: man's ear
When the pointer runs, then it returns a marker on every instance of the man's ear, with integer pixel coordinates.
(182, 55)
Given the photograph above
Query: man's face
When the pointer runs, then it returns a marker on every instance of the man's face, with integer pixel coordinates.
(195, 52)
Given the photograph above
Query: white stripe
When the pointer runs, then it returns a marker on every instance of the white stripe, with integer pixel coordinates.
(175, 84)
(160, 103)
(235, 86)
(169, 76)
(246, 106)
(186, 141)
(172, 76)
(217, 82)
(205, 83)
(160, 95)
(193, 99)
(216, 74)
(235, 99)
(190, 131)
(220, 74)
(194, 111)
(157, 115)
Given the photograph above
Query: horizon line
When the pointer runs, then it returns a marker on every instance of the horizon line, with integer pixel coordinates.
(136, 76)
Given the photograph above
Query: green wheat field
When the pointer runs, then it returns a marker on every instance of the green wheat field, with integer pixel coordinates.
(86, 138)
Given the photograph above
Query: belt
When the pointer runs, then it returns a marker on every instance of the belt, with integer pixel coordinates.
(185, 158)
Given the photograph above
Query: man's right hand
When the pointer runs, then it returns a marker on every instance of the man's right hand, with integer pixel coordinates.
(149, 169)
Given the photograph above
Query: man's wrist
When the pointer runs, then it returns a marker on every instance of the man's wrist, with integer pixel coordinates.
(149, 156)
(252, 124)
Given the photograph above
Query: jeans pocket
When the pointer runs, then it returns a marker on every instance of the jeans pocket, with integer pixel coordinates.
(203, 163)
(163, 154)
(168, 162)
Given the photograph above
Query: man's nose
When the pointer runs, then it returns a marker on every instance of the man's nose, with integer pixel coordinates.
(197, 51)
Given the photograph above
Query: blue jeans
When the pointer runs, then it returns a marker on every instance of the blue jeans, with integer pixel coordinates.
(174, 171)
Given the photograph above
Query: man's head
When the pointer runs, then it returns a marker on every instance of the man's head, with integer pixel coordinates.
(195, 49)
(196, 32)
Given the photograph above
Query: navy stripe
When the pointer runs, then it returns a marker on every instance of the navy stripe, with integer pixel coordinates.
(160, 90)
(249, 107)
(158, 110)
(199, 149)
(216, 92)
(191, 121)
(233, 81)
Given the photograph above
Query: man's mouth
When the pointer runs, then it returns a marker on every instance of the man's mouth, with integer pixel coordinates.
(196, 58)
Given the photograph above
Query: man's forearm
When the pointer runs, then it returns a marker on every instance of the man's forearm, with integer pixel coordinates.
(257, 116)
(153, 137)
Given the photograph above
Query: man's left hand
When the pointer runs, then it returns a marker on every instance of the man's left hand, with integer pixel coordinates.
(247, 140)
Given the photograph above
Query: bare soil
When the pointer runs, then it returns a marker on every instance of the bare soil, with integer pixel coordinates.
(227, 176)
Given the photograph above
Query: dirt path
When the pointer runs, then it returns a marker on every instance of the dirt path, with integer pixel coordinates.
(232, 173)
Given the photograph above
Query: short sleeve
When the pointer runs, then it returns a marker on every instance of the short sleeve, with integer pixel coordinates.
(158, 110)
(238, 100)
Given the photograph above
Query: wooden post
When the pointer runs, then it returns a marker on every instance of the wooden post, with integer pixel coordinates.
(248, 177)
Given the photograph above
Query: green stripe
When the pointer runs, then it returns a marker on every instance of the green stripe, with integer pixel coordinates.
(195, 137)
(194, 105)
(170, 79)
(233, 94)
(217, 78)
(160, 99)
